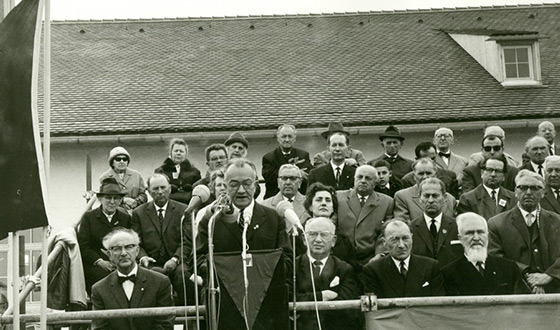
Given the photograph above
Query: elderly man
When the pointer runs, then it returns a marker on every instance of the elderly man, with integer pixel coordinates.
(158, 224)
(436, 233)
(386, 182)
(546, 130)
(536, 149)
(402, 274)
(489, 198)
(445, 158)
(407, 201)
(130, 286)
(354, 157)
(529, 235)
(551, 198)
(237, 145)
(288, 181)
(362, 211)
(284, 154)
(337, 173)
(497, 132)
(334, 279)
(492, 147)
(392, 142)
(477, 273)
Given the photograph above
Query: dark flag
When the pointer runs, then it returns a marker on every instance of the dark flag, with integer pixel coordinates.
(22, 204)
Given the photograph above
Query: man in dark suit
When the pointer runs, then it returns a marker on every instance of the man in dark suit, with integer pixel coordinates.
(334, 279)
(284, 154)
(447, 159)
(547, 130)
(354, 157)
(158, 224)
(392, 142)
(477, 273)
(529, 235)
(489, 198)
(435, 233)
(95, 224)
(362, 211)
(289, 180)
(492, 147)
(402, 274)
(336, 173)
(130, 286)
(386, 183)
(551, 198)
(536, 148)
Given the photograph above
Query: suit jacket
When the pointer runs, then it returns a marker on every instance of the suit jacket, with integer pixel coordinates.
(151, 289)
(509, 238)
(456, 164)
(384, 279)
(348, 288)
(271, 163)
(479, 202)
(549, 201)
(472, 178)
(145, 222)
(362, 225)
(461, 278)
(325, 175)
(529, 166)
(448, 177)
(394, 186)
(299, 199)
(444, 252)
(408, 207)
(399, 166)
(525, 158)
(324, 157)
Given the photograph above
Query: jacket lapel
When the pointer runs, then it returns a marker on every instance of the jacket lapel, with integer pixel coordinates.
(169, 213)
(415, 194)
(257, 220)
(394, 278)
(502, 196)
(519, 223)
(369, 206)
(424, 233)
(549, 195)
(344, 176)
(354, 203)
(152, 214)
(446, 225)
(139, 288)
(118, 291)
(488, 207)
(101, 218)
(327, 274)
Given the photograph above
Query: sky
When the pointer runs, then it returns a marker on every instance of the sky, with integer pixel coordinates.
(111, 9)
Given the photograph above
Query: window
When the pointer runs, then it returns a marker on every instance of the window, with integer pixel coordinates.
(520, 63)
(517, 62)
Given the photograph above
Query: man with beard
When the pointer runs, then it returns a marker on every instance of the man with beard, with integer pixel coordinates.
(336, 173)
(477, 273)
(288, 181)
(489, 198)
(529, 235)
(536, 149)
(551, 198)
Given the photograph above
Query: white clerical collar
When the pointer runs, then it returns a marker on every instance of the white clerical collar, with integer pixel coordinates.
(398, 262)
(134, 271)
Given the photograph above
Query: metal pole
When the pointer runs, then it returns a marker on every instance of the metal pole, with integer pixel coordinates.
(211, 285)
(195, 267)
(15, 281)
(294, 234)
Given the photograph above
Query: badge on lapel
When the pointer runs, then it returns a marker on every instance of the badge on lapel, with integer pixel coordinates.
(502, 202)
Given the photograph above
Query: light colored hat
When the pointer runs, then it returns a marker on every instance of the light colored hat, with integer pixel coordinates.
(494, 131)
(117, 151)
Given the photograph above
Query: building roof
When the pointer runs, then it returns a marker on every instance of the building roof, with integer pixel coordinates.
(256, 72)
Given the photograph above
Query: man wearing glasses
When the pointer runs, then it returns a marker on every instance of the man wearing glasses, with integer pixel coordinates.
(489, 198)
(130, 286)
(492, 147)
(447, 159)
(529, 235)
(289, 182)
(216, 159)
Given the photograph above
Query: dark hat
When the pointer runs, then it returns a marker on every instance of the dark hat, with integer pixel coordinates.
(110, 186)
(334, 128)
(391, 132)
(237, 137)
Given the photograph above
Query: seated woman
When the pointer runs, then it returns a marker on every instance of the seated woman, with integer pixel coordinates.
(131, 181)
(181, 173)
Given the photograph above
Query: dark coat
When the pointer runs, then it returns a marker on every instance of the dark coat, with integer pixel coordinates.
(325, 175)
(382, 278)
(394, 186)
(181, 187)
(399, 166)
(479, 202)
(549, 201)
(461, 278)
(448, 247)
(449, 178)
(151, 289)
(271, 163)
(472, 178)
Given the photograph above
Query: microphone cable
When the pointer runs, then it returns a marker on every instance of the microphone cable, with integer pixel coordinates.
(312, 282)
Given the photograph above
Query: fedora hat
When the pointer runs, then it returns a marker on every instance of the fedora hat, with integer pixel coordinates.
(110, 186)
(391, 132)
(334, 128)
(237, 137)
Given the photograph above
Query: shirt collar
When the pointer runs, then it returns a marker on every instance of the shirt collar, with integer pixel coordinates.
(475, 262)
(489, 190)
(335, 166)
(395, 156)
(247, 212)
(429, 220)
(109, 216)
(134, 271)
(398, 262)
(360, 196)
(163, 207)
(323, 261)
(524, 213)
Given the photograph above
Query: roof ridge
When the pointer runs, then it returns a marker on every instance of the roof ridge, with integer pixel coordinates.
(267, 16)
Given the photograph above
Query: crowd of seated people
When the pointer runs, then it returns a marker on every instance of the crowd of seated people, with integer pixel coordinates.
(442, 224)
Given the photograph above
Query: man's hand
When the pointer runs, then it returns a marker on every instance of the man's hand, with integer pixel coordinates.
(199, 280)
(170, 265)
(329, 295)
(538, 290)
(105, 265)
(539, 279)
(351, 162)
(304, 175)
(130, 202)
(145, 261)
(376, 257)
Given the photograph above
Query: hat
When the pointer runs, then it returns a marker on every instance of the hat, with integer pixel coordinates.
(391, 132)
(494, 131)
(334, 128)
(110, 186)
(237, 137)
(115, 152)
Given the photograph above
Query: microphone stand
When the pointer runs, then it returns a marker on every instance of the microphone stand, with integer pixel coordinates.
(212, 290)
(193, 228)
(245, 260)
(294, 235)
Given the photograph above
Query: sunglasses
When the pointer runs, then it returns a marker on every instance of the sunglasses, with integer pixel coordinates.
(121, 159)
(495, 148)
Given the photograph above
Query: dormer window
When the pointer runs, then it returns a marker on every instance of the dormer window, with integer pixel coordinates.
(517, 62)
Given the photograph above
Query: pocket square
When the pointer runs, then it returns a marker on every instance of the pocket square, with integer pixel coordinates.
(454, 242)
(335, 282)
(425, 284)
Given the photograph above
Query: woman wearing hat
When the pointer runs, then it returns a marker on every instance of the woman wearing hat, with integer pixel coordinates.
(130, 181)
(181, 173)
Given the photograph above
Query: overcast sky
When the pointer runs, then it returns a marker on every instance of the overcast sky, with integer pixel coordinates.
(109, 9)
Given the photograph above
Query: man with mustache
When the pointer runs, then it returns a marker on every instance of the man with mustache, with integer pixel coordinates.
(477, 273)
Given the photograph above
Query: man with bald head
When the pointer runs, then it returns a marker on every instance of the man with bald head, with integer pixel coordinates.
(447, 159)
(536, 149)
(551, 198)
(361, 211)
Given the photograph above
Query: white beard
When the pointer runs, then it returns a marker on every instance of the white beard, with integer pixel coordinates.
(477, 253)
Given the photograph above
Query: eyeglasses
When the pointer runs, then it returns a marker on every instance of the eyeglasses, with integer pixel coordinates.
(113, 197)
(524, 187)
(286, 178)
(315, 234)
(495, 148)
(216, 158)
(119, 248)
(121, 159)
(247, 184)
(495, 170)
(425, 173)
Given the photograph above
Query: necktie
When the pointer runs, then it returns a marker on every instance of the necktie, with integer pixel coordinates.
(291, 200)
(529, 219)
(362, 201)
(480, 268)
(558, 195)
(317, 268)
(162, 248)
(494, 196)
(123, 279)
(433, 229)
(540, 171)
(403, 270)
(241, 222)
(160, 216)
(337, 176)
(550, 151)
(442, 154)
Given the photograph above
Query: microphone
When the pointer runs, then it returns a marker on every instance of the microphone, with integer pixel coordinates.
(200, 195)
(285, 209)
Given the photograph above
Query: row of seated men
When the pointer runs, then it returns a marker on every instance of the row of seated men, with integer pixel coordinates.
(527, 233)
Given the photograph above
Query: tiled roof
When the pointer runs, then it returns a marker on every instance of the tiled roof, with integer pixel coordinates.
(242, 73)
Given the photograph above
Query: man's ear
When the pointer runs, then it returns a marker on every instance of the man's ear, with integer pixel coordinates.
(333, 241)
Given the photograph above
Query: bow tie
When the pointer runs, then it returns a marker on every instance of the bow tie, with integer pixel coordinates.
(123, 279)
(442, 154)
